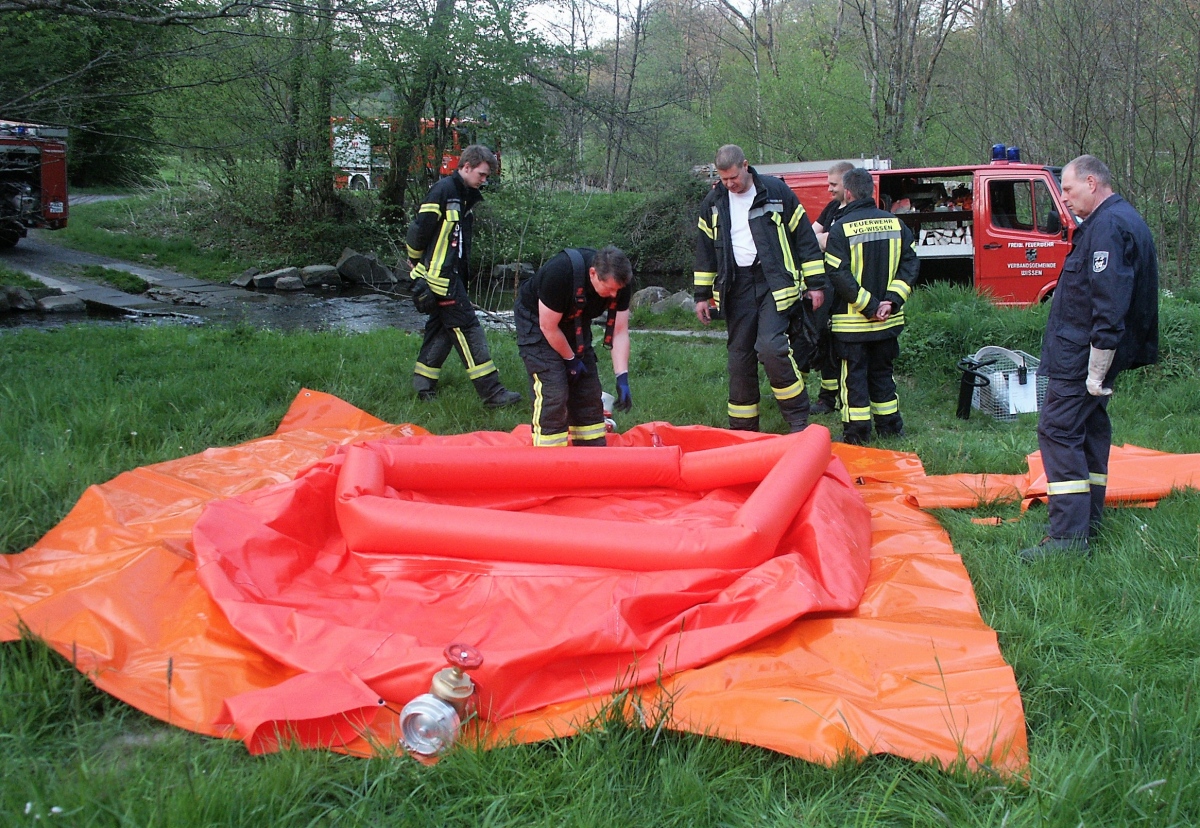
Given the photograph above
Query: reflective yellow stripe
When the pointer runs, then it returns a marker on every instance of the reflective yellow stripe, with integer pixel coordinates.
(587, 432)
(789, 261)
(856, 415)
(844, 393)
(431, 207)
(900, 288)
(1097, 479)
(862, 300)
(468, 358)
(1069, 487)
(829, 384)
(413, 253)
(704, 278)
(794, 221)
(833, 261)
(857, 323)
(425, 371)
(856, 267)
(792, 391)
(813, 268)
(706, 230)
(884, 408)
(481, 370)
(539, 438)
(743, 412)
(439, 283)
(785, 297)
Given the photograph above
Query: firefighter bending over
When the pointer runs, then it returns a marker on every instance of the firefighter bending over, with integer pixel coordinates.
(872, 264)
(756, 255)
(554, 314)
(439, 250)
(1104, 319)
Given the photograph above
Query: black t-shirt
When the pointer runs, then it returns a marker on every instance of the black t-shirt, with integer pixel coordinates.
(830, 214)
(554, 286)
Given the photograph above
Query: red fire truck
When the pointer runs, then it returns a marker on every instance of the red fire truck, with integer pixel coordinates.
(1002, 227)
(360, 150)
(33, 179)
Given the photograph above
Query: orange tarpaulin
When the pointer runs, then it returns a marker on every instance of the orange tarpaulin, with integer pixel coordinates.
(298, 583)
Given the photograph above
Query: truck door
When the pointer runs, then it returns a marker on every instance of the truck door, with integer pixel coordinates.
(1021, 232)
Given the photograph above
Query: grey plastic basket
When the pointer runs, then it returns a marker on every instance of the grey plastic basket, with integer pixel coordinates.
(993, 398)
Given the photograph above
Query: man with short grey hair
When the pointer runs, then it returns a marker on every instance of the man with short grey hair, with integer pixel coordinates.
(1103, 319)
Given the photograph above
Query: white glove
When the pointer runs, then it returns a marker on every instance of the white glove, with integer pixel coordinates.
(1098, 364)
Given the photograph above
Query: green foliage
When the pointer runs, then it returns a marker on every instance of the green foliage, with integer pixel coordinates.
(948, 322)
(531, 224)
(93, 76)
(660, 232)
(196, 231)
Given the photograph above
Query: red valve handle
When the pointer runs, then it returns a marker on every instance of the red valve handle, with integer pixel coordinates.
(463, 656)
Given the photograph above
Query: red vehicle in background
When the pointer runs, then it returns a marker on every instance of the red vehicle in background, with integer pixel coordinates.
(1001, 227)
(33, 179)
(360, 148)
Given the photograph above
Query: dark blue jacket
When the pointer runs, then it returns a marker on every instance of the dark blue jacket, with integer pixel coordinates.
(1107, 296)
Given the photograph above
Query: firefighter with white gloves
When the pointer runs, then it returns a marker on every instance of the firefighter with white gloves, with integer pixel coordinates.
(553, 315)
(1103, 319)
(439, 249)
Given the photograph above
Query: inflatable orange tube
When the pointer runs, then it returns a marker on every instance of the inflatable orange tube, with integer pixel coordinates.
(375, 523)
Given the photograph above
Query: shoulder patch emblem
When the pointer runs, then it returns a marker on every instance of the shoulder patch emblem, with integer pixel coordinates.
(1099, 261)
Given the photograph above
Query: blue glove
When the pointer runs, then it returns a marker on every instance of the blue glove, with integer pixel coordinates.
(576, 368)
(624, 396)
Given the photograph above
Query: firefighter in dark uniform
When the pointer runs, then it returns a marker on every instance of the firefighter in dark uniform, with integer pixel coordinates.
(554, 314)
(756, 255)
(872, 264)
(439, 249)
(1103, 319)
(825, 360)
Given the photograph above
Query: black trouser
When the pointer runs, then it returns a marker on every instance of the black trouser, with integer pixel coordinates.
(826, 360)
(562, 408)
(454, 326)
(759, 333)
(1074, 435)
(868, 388)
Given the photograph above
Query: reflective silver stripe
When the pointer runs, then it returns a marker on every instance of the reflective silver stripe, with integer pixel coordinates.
(1068, 487)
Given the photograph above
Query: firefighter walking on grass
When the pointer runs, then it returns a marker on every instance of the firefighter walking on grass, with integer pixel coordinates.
(756, 256)
(439, 250)
(872, 265)
(554, 314)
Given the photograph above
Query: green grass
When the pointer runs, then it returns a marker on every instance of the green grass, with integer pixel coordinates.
(119, 279)
(137, 229)
(1105, 651)
(15, 278)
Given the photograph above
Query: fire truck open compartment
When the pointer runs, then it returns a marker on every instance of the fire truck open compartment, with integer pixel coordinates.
(938, 211)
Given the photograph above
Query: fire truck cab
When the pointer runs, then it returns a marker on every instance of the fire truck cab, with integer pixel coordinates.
(1002, 227)
(33, 179)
